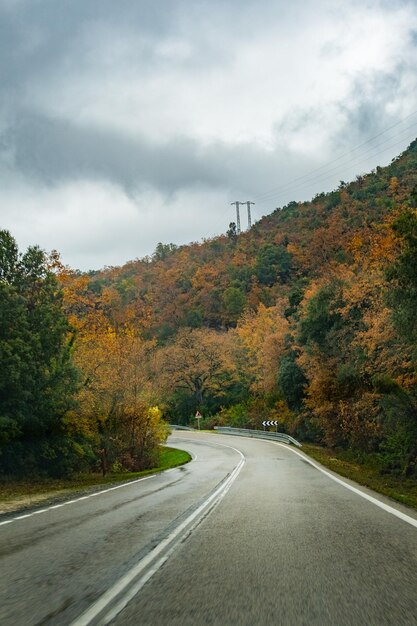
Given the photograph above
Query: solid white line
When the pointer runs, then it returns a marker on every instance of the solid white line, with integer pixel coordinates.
(100, 605)
(91, 495)
(382, 505)
(385, 507)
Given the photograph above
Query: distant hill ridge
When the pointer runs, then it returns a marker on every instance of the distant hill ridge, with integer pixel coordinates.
(210, 284)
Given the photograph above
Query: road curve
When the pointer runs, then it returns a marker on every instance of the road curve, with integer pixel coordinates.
(269, 541)
(57, 562)
(288, 545)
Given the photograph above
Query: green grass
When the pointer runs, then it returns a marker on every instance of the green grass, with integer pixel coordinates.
(15, 494)
(397, 487)
(172, 457)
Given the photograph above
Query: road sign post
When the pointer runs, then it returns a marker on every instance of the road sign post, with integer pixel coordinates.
(198, 417)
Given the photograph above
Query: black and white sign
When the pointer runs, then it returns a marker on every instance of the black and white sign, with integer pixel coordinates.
(269, 423)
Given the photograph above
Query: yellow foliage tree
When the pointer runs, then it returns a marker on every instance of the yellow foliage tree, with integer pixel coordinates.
(199, 362)
(117, 396)
(261, 337)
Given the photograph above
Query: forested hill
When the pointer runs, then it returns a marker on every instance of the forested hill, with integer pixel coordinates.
(211, 284)
(309, 318)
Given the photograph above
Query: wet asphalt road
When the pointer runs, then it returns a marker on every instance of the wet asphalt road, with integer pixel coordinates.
(285, 545)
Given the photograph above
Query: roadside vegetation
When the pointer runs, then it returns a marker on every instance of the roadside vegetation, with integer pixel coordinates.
(367, 472)
(308, 318)
(16, 494)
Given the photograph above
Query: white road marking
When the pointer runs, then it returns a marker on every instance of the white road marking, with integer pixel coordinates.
(91, 495)
(382, 505)
(386, 507)
(175, 538)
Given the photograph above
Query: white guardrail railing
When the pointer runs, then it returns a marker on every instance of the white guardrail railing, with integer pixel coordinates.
(262, 434)
(246, 432)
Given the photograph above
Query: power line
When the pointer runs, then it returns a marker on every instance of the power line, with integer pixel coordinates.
(279, 188)
(308, 179)
(332, 172)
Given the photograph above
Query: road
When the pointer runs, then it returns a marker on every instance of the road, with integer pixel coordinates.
(247, 533)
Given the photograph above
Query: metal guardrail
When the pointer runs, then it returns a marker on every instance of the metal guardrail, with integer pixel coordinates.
(246, 432)
(262, 434)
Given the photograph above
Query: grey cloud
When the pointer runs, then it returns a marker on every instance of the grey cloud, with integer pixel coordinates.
(37, 36)
(42, 41)
(366, 111)
(53, 151)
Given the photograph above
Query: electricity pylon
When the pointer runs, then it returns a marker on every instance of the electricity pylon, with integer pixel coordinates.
(248, 203)
(237, 215)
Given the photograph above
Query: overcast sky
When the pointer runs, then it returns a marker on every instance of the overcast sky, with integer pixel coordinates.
(127, 123)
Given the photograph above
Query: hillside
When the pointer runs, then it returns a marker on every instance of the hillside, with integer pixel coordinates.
(309, 318)
(306, 306)
(210, 284)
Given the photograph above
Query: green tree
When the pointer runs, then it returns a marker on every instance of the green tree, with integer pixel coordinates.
(164, 250)
(400, 405)
(402, 275)
(232, 233)
(322, 317)
(291, 381)
(37, 379)
(233, 303)
(273, 264)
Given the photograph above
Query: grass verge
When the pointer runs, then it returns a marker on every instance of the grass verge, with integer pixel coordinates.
(397, 487)
(18, 494)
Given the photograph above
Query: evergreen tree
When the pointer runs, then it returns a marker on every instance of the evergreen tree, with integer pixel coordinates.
(37, 379)
(403, 277)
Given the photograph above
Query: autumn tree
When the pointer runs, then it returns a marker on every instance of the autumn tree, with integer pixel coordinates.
(401, 403)
(262, 338)
(117, 400)
(332, 364)
(197, 367)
